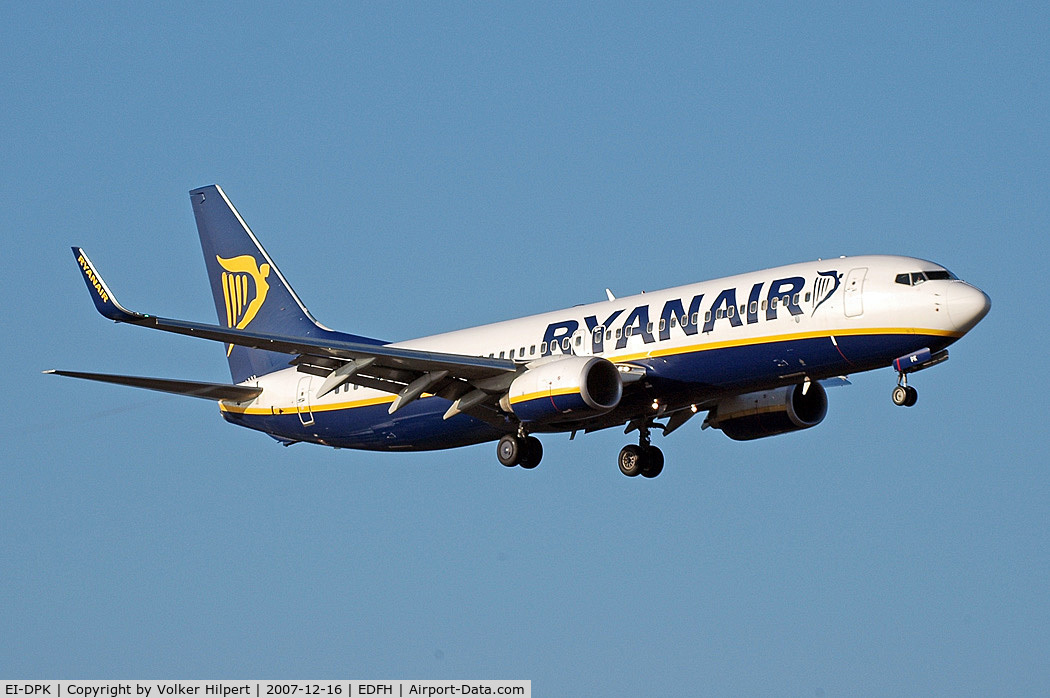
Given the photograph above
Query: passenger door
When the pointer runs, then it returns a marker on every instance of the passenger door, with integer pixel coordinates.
(302, 401)
(853, 304)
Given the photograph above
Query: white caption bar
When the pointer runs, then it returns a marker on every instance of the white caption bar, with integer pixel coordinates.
(261, 689)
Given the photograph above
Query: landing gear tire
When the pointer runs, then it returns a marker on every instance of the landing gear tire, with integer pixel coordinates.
(905, 396)
(632, 460)
(508, 450)
(654, 462)
(532, 453)
(525, 451)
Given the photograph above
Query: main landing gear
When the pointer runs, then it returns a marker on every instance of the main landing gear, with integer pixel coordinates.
(904, 395)
(644, 459)
(522, 450)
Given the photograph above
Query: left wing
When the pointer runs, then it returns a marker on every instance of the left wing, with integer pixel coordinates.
(472, 383)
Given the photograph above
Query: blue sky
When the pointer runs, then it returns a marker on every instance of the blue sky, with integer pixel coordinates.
(416, 169)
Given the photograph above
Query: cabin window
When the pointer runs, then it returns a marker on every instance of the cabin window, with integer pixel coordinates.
(649, 328)
(696, 318)
(619, 332)
(608, 335)
(795, 299)
(707, 317)
(663, 324)
(762, 306)
(579, 340)
(501, 354)
(521, 351)
(511, 354)
(773, 303)
(673, 318)
(807, 296)
(543, 347)
(532, 350)
(731, 312)
(629, 331)
(565, 344)
(754, 307)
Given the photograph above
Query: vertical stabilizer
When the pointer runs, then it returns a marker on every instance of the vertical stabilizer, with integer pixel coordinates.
(249, 290)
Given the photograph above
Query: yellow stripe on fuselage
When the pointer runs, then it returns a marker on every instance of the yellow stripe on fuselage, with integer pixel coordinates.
(658, 353)
(772, 339)
(293, 409)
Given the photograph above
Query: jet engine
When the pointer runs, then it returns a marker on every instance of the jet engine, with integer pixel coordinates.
(770, 412)
(563, 388)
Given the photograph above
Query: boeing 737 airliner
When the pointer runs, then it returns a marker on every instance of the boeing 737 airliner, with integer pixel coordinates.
(751, 351)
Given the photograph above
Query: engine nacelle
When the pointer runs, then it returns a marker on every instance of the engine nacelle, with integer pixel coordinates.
(564, 388)
(770, 412)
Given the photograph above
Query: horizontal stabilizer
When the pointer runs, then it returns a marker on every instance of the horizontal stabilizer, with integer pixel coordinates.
(208, 391)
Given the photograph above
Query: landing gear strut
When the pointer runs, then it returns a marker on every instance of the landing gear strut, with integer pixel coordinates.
(904, 395)
(644, 459)
(522, 450)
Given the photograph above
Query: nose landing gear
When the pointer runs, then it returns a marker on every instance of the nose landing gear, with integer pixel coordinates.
(904, 395)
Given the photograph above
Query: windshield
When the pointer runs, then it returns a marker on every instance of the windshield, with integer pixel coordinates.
(915, 278)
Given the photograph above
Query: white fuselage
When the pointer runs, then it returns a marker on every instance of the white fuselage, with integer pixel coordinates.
(846, 307)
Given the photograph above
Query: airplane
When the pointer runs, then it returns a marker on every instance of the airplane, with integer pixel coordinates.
(753, 351)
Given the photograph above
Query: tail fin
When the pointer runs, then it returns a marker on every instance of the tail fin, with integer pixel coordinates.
(248, 288)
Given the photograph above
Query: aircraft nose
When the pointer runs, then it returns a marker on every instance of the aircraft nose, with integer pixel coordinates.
(967, 305)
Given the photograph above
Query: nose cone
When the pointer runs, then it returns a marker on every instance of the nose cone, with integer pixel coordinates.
(967, 305)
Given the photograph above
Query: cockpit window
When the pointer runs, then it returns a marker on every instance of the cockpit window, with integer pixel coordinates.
(917, 277)
(940, 275)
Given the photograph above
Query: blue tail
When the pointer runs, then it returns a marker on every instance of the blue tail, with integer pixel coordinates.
(249, 290)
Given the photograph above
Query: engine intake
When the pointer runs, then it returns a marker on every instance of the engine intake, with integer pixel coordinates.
(565, 388)
(770, 412)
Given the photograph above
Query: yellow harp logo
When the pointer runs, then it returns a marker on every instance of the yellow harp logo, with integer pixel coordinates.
(244, 286)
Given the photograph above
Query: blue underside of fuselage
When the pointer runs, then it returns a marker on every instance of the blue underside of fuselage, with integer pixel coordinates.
(676, 380)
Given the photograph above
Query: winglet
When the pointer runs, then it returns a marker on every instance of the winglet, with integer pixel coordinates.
(103, 298)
